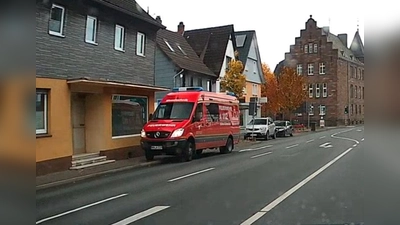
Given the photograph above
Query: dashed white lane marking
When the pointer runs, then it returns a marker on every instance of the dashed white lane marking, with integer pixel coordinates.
(191, 174)
(310, 141)
(80, 208)
(255, 149)
(256, 156)
(141, 215)
(362, 139)
(281, 198)
(355, 145)
(292, 146)
(322, 137)
(359, 130)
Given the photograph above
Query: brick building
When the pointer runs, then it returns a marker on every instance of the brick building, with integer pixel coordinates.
(335, 75)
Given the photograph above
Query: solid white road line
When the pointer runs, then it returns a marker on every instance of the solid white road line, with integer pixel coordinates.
(322, 137)
(255, 149)
(292, 146)
(253, 218)
(256, 156)
(281, 198)
(141, 215)
(80, 208)
(191, 174)
(310, 141)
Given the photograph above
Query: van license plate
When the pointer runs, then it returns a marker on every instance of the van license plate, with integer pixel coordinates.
(156, 147)
(253, 135)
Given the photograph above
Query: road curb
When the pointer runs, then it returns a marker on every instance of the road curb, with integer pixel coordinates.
(75, 179)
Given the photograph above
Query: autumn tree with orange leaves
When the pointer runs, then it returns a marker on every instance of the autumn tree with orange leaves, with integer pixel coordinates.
(270, 90)
(291, 90)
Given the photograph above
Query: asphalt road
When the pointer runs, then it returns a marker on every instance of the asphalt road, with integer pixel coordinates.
(313, 178)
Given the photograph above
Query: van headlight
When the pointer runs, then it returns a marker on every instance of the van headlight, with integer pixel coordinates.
(142, 133)
(263, 128)
(177, 133)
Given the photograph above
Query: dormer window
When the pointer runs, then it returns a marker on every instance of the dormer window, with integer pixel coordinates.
(169, 46)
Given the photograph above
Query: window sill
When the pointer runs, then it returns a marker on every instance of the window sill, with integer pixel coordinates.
(126, 136)
(119, 50)
(56, 34)
(92, 43)
(43, 135)
(141, 55)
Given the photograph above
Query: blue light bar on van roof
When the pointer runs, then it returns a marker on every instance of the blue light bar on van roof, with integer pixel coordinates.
(231, 94)
(178, 89)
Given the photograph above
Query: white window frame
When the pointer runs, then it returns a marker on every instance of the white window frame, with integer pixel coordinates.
(322, 110)
(317, 90)
(140, 46)
(315, 48)
(299, 69)
(325, 90)
(147, 114)
(61, 33)
(310, 48)
(306, 48)
(311, 111)
(208, 88)
(45, 119)
(310, 69)
(122, 41)
(94, 30)
(254, 67)
(255, 90)
(322, 68)
(310, 90)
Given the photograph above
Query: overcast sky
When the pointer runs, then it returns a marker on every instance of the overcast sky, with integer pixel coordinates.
(276, 23)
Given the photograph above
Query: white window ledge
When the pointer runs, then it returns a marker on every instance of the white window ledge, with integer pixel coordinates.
(56, 34)
(92, 43)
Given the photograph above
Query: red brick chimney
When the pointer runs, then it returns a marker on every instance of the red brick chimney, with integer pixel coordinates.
(181, 28)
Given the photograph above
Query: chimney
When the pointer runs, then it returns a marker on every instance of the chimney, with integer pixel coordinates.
(158, 19)
(343, 38)
(181, 28)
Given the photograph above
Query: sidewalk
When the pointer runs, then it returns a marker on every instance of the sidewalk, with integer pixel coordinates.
(71, 176)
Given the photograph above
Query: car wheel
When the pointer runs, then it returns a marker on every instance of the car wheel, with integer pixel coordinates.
(274, 135)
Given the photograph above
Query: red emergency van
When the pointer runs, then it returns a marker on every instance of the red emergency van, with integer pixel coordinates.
(189, 120)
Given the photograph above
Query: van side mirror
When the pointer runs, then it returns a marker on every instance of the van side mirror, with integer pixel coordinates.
(150, 116)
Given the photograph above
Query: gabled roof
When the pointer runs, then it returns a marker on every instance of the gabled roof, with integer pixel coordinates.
(357, 46)
(244, 40)
(131, 8)
(343, 51)
(184, 57)
(210, 44)
(243, 44)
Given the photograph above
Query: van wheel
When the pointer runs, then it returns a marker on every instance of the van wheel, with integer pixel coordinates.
(149, 156)
(228, 147)
(188, 152)
(198, 152)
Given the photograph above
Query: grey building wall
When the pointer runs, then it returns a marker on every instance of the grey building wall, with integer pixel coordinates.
(164, 72)
(71, 57)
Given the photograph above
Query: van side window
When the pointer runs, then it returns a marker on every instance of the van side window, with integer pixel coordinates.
(212, 112)
(199, 110)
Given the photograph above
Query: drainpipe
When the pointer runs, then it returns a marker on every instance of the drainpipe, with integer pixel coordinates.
(180, 72)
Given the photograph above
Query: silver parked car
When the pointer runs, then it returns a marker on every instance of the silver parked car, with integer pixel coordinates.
(283, 128)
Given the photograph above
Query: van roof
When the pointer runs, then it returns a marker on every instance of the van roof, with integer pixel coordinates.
(194, 96)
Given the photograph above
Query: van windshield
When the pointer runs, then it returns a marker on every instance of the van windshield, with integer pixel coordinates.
(173, 110)
(258, 122)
